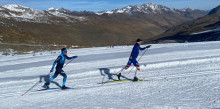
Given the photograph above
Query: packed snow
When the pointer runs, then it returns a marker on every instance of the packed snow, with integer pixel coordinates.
(177, 76)
(207, 31)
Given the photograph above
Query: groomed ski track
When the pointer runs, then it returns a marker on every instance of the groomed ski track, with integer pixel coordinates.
(179, 76)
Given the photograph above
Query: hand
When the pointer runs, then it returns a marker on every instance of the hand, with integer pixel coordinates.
(148, 46)
(51, 70)
(130, 57)
(74, 56)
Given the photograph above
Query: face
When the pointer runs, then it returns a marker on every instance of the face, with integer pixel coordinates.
(140, 43)
(65, 53)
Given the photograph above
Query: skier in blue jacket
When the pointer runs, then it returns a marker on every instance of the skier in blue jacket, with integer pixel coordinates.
(59, 62)
(133, 57)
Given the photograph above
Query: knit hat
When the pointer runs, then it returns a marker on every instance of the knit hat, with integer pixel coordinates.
(63, 50)
(139, 40)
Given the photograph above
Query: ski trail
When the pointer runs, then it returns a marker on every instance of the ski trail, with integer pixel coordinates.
(155, 78)
(183, 75)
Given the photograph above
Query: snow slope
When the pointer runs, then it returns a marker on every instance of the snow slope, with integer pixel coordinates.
(179, 76)
(207, 31)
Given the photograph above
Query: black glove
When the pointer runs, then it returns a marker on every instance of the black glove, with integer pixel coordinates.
(148, 46)
(74, 56)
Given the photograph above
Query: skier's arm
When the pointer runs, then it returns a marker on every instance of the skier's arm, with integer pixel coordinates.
(148, 46)
(145, 47)
(55, 62)
(69, 58)
(142, 48)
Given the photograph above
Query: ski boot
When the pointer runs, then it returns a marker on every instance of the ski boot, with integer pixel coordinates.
(136, 79)
(64, 87)
(46, 85)
(119, 75)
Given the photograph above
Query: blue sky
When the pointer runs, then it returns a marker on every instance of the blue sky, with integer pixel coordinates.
(99, 5)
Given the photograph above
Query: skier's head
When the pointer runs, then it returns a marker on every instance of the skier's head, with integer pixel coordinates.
(64, 51)
(139, 41)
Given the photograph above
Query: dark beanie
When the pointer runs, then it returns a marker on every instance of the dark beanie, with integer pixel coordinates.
(138, 40)
(63, 50)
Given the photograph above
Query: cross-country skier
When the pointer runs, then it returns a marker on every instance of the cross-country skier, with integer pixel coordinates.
(59, 62)
(133, 57)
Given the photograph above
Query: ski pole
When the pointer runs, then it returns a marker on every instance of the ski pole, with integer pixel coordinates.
(31, 88)
(39, 81)
(138, 60)
(69, 62)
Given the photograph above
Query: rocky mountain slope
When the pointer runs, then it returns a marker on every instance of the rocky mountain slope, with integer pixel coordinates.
(202, 29)
(21, 24)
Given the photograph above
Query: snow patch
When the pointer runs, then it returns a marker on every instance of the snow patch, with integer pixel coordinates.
(107, 12)
(152, 6)
(207, 31)
(120, 11)
(52, 8)
(56, 13)
(186, 9)
(25, 15)
(14, 7)
(128, 7)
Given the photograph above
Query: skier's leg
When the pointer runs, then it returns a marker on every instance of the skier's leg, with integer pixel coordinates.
(125, 68)
(128, 64)
(137, 71)
(54, 76)
(47, 83)
(64, 77)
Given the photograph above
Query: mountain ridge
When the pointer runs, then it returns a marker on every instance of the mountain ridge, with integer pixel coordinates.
(148, 8)
(86, 28)
(204, 27)
(215, 10)
(145, 8)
